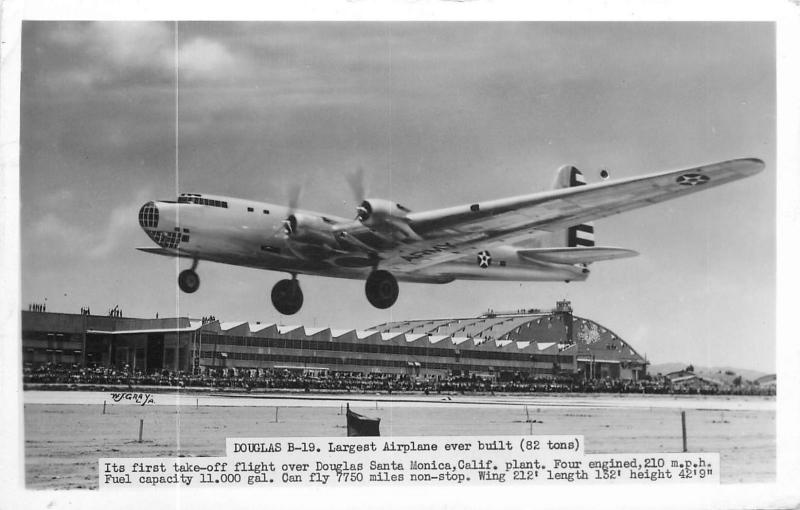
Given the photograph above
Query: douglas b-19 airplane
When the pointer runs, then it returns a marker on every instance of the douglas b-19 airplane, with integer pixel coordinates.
(535, 237)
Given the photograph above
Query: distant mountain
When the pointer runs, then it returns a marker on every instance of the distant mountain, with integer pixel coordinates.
(718, 373)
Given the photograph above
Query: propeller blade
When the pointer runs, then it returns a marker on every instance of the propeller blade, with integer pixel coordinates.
(356, 182)
(286, 227)
(280, 230)
(294, 196)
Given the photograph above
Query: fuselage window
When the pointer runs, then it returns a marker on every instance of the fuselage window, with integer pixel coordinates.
(202, 201)
(249, 209)
(266, 211)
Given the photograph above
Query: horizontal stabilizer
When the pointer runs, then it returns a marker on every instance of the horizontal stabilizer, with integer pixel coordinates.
(575, 255)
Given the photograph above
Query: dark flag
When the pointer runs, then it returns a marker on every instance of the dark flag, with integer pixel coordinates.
(358, 425)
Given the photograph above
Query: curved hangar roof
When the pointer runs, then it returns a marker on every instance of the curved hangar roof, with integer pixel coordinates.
(588, 337)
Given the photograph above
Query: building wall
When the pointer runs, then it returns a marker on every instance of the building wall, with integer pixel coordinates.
(154, 345)
(72, 339)
(223, 351)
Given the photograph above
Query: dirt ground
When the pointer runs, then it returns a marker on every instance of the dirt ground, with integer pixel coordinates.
(63, 441)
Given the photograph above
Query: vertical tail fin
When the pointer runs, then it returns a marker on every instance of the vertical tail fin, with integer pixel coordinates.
(577, 235)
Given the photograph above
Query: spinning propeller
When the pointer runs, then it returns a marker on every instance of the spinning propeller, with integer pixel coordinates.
(356, 182)
(290, 223)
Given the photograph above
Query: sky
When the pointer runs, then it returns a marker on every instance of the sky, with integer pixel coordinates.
(437, 114)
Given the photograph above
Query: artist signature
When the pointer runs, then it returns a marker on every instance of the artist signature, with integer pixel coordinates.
(135, 398)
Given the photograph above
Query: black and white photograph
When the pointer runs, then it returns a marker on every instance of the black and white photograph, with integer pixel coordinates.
(288, 229)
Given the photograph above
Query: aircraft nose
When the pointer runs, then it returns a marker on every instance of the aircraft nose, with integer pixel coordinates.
(148, 216)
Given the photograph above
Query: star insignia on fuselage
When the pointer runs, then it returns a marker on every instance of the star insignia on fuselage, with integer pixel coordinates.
(484, 259)
(692, 179)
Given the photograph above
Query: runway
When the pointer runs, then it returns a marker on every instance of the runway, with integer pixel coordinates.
(560, 400)
(742, 430)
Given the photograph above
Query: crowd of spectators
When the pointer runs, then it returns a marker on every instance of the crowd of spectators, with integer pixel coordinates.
(346, 382)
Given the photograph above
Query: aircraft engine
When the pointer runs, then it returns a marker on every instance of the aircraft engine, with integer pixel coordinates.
(386, 217)
(307, 228)
(374, 211)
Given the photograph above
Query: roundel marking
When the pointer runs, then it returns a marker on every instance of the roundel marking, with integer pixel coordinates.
(484, 259)
(692, 179)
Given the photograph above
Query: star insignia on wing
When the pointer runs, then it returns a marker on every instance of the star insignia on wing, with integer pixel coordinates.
(692, 179)
(484, 259)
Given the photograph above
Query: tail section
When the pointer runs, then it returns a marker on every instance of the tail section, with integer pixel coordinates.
(579, 235)
(574, 255)
(575, 245)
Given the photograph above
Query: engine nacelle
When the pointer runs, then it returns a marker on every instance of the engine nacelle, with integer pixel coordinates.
(375, 212)
(308, 228)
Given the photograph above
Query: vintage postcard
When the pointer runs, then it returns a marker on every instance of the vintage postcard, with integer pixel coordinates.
(351, 256)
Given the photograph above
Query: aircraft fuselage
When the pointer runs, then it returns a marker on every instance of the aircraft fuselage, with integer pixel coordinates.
(251, 234)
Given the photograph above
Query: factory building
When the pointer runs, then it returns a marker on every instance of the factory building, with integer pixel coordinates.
(496, 344)
(593, 351)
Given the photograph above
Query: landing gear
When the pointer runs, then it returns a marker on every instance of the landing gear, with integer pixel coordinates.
(287, 297)
(188, 281)
(382, 289)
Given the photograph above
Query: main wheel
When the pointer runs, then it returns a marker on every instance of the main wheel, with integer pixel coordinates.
(381, 289)
(188, 281)
(287, 297)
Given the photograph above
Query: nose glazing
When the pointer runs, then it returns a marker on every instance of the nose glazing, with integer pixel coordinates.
(148, 215)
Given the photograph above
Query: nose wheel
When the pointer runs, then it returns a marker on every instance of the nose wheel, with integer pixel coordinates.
(381, 289)
(188, 281)
(287, 297)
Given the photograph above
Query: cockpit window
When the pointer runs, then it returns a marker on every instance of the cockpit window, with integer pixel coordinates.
(194, 199)
(148, 215)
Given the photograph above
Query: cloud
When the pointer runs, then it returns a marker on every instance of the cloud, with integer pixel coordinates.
(76, 57)
(133, 44)
(204, 59)
(73, 236)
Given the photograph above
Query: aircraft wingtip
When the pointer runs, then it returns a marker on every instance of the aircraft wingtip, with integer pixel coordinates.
(757, 164)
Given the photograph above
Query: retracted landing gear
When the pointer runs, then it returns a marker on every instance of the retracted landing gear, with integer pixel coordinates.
(287, 297)
(381, 289)
(188, 280)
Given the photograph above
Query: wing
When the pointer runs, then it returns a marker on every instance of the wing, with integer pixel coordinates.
(446, 234)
